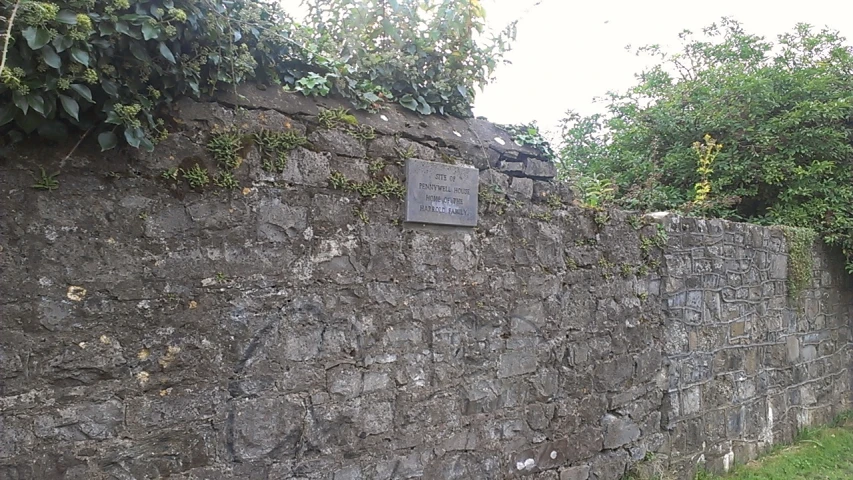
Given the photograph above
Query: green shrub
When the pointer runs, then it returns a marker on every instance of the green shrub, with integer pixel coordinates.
(783, 111)
(112, 66)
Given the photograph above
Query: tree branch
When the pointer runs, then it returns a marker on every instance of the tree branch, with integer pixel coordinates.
(8, 36)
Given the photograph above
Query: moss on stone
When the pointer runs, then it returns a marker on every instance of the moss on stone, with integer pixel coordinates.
(800, 263)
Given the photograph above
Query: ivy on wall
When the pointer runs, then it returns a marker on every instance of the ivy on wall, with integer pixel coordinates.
(112, 66)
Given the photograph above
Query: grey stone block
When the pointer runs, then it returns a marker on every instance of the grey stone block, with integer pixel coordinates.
(538, 169)
(619, 431)
(580, 472)
(337, 142)
(521, 188)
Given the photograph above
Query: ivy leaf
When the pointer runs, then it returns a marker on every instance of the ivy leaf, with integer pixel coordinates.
(81, 56)
(50, 57)
(150, 31)
(62, 43)
(146, 144)
(409, 102)
(139, 52)
(21, 102)
(106, 28)
(110, 87)
(70, 106)
(36, 37)
(37, 102)
(133, 136)
(113, 118)
(423, 107)
(167, 54)
(7, 113)
(107, 140)
(122, 27)
(83, 91)
(67, 17)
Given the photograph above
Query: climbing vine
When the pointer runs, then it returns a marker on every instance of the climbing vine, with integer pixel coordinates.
(113, 66)
(800, 263)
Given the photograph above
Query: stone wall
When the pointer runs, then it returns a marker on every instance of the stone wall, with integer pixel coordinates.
(749, 365)
(290, 330)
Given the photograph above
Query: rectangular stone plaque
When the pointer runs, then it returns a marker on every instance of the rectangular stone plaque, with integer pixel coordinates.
(441, 193)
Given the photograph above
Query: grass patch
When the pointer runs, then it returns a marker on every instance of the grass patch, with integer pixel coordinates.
(819, 454)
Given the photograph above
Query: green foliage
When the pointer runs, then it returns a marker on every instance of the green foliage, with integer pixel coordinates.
(46, 181)
(112, 66)
(595, 192)
(542, 216)
(361, 215)
(368, 189)
(197, 176)
(648, 243)
(554, 201)
(336, 117)
(225, 179)
(706, 152)
(338, 181)
(529, 134)
(388, 187)
(800, 263)
(391, 187)
(171, 173)
(783, 110)
(314, 85)
(342, 119)
(424, 54)
(274, 146)
(634, 221)
(493, 198)
(225, 148)
(407, 153)
(363, 132)
(820, 453)
(376, 167)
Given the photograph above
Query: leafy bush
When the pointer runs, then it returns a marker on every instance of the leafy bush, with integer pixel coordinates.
(530, 135)
(111, 66)
(783, 110)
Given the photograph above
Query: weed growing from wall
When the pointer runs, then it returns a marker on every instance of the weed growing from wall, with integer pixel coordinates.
(274, 147)
(800, 262)
(197, 176)
(340, 118)
(225, 148)
(226, 180)
(493, 196)
(335, 118)
(46, 181)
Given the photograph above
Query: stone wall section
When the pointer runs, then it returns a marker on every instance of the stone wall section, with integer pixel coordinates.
(288, 330)
(750, 363)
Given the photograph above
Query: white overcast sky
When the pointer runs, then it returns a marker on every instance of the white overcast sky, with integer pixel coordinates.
(570, 51)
